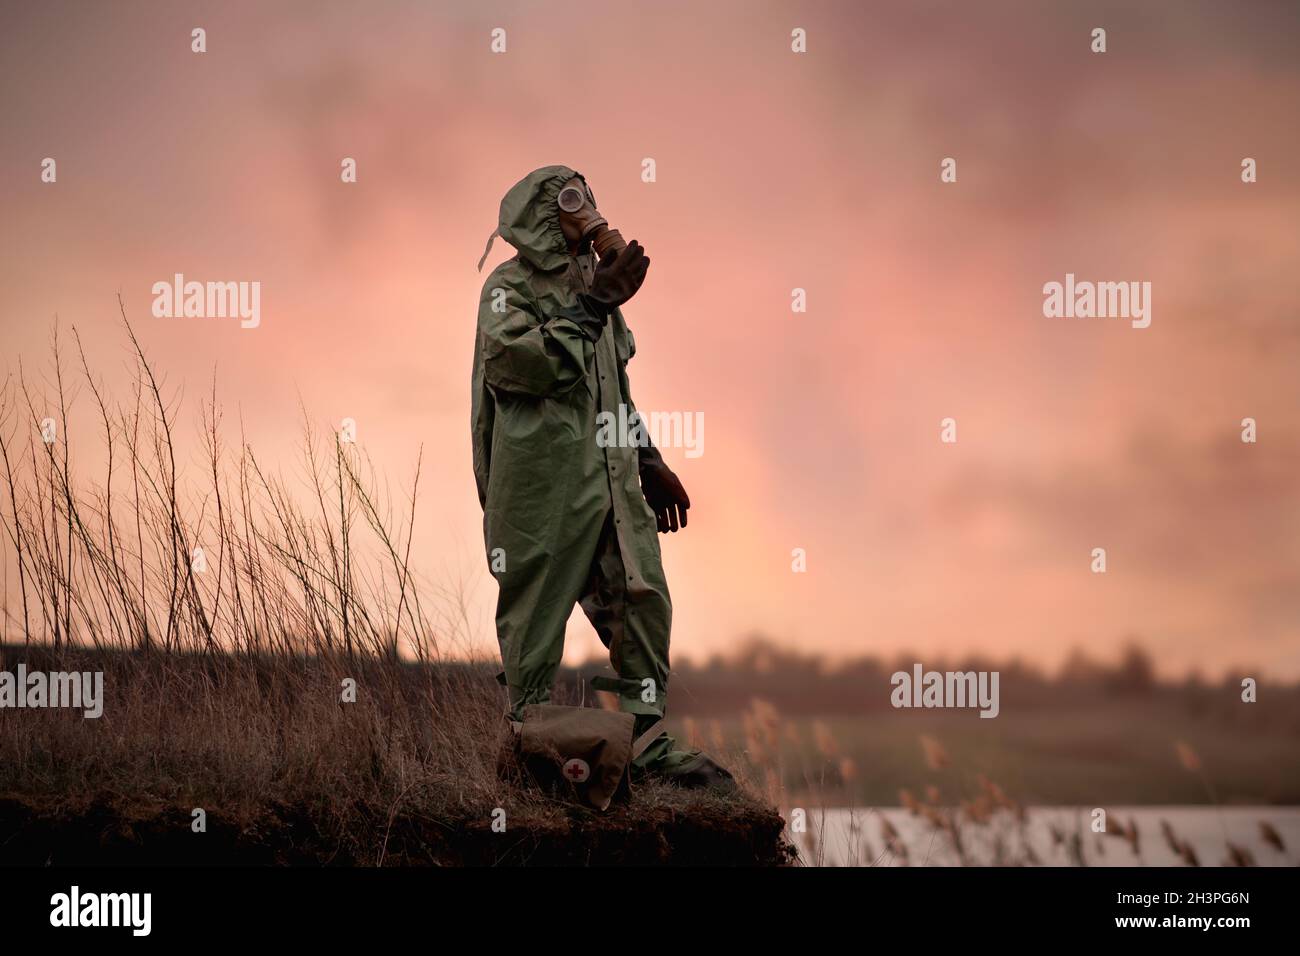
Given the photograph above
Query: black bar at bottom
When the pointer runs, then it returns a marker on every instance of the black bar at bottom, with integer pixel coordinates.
(242, 905)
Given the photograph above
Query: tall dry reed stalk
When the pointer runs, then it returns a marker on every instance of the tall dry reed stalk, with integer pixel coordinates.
(228, 604)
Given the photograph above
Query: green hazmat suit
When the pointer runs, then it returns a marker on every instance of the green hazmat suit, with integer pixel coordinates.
(564, 519)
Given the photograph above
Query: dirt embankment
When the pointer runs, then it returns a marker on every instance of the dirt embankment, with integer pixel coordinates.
(656, 828)
(289, 769)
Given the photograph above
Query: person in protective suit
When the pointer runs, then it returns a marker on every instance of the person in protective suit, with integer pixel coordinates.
(568, 516)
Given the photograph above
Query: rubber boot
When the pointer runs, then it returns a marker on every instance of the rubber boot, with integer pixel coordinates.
(691, 769)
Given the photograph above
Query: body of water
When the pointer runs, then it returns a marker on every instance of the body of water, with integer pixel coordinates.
(1052, 836)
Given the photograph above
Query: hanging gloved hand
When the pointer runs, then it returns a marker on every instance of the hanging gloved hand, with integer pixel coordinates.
(664, 494)
(617, 278)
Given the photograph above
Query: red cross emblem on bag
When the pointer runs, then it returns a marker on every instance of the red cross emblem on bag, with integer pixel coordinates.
(576, 770)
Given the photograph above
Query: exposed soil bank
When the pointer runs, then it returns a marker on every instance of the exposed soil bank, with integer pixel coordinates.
(704, 832)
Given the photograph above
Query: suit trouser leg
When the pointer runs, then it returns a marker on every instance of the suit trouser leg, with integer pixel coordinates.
(533, 607)
(634, 624)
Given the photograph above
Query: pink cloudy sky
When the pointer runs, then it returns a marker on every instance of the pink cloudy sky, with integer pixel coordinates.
(775, 171)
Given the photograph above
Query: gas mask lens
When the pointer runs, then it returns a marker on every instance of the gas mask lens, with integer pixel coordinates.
(571, 199)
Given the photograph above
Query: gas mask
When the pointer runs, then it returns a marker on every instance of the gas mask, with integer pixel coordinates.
(578, 211)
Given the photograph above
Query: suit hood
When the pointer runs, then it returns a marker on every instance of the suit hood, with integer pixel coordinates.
(530, 219)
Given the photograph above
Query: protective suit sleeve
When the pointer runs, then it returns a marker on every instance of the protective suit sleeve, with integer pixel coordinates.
(647, 454)
(527, 352)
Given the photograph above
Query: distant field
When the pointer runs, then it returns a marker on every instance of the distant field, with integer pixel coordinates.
(1123, 752)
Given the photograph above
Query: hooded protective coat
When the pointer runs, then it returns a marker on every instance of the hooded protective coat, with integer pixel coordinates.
(564, 518)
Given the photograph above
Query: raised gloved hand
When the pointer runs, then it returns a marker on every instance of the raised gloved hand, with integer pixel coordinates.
(664, 494)
(618, 276)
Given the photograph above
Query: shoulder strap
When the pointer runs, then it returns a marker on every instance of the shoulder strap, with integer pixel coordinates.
(646, 739)
(495, 233)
